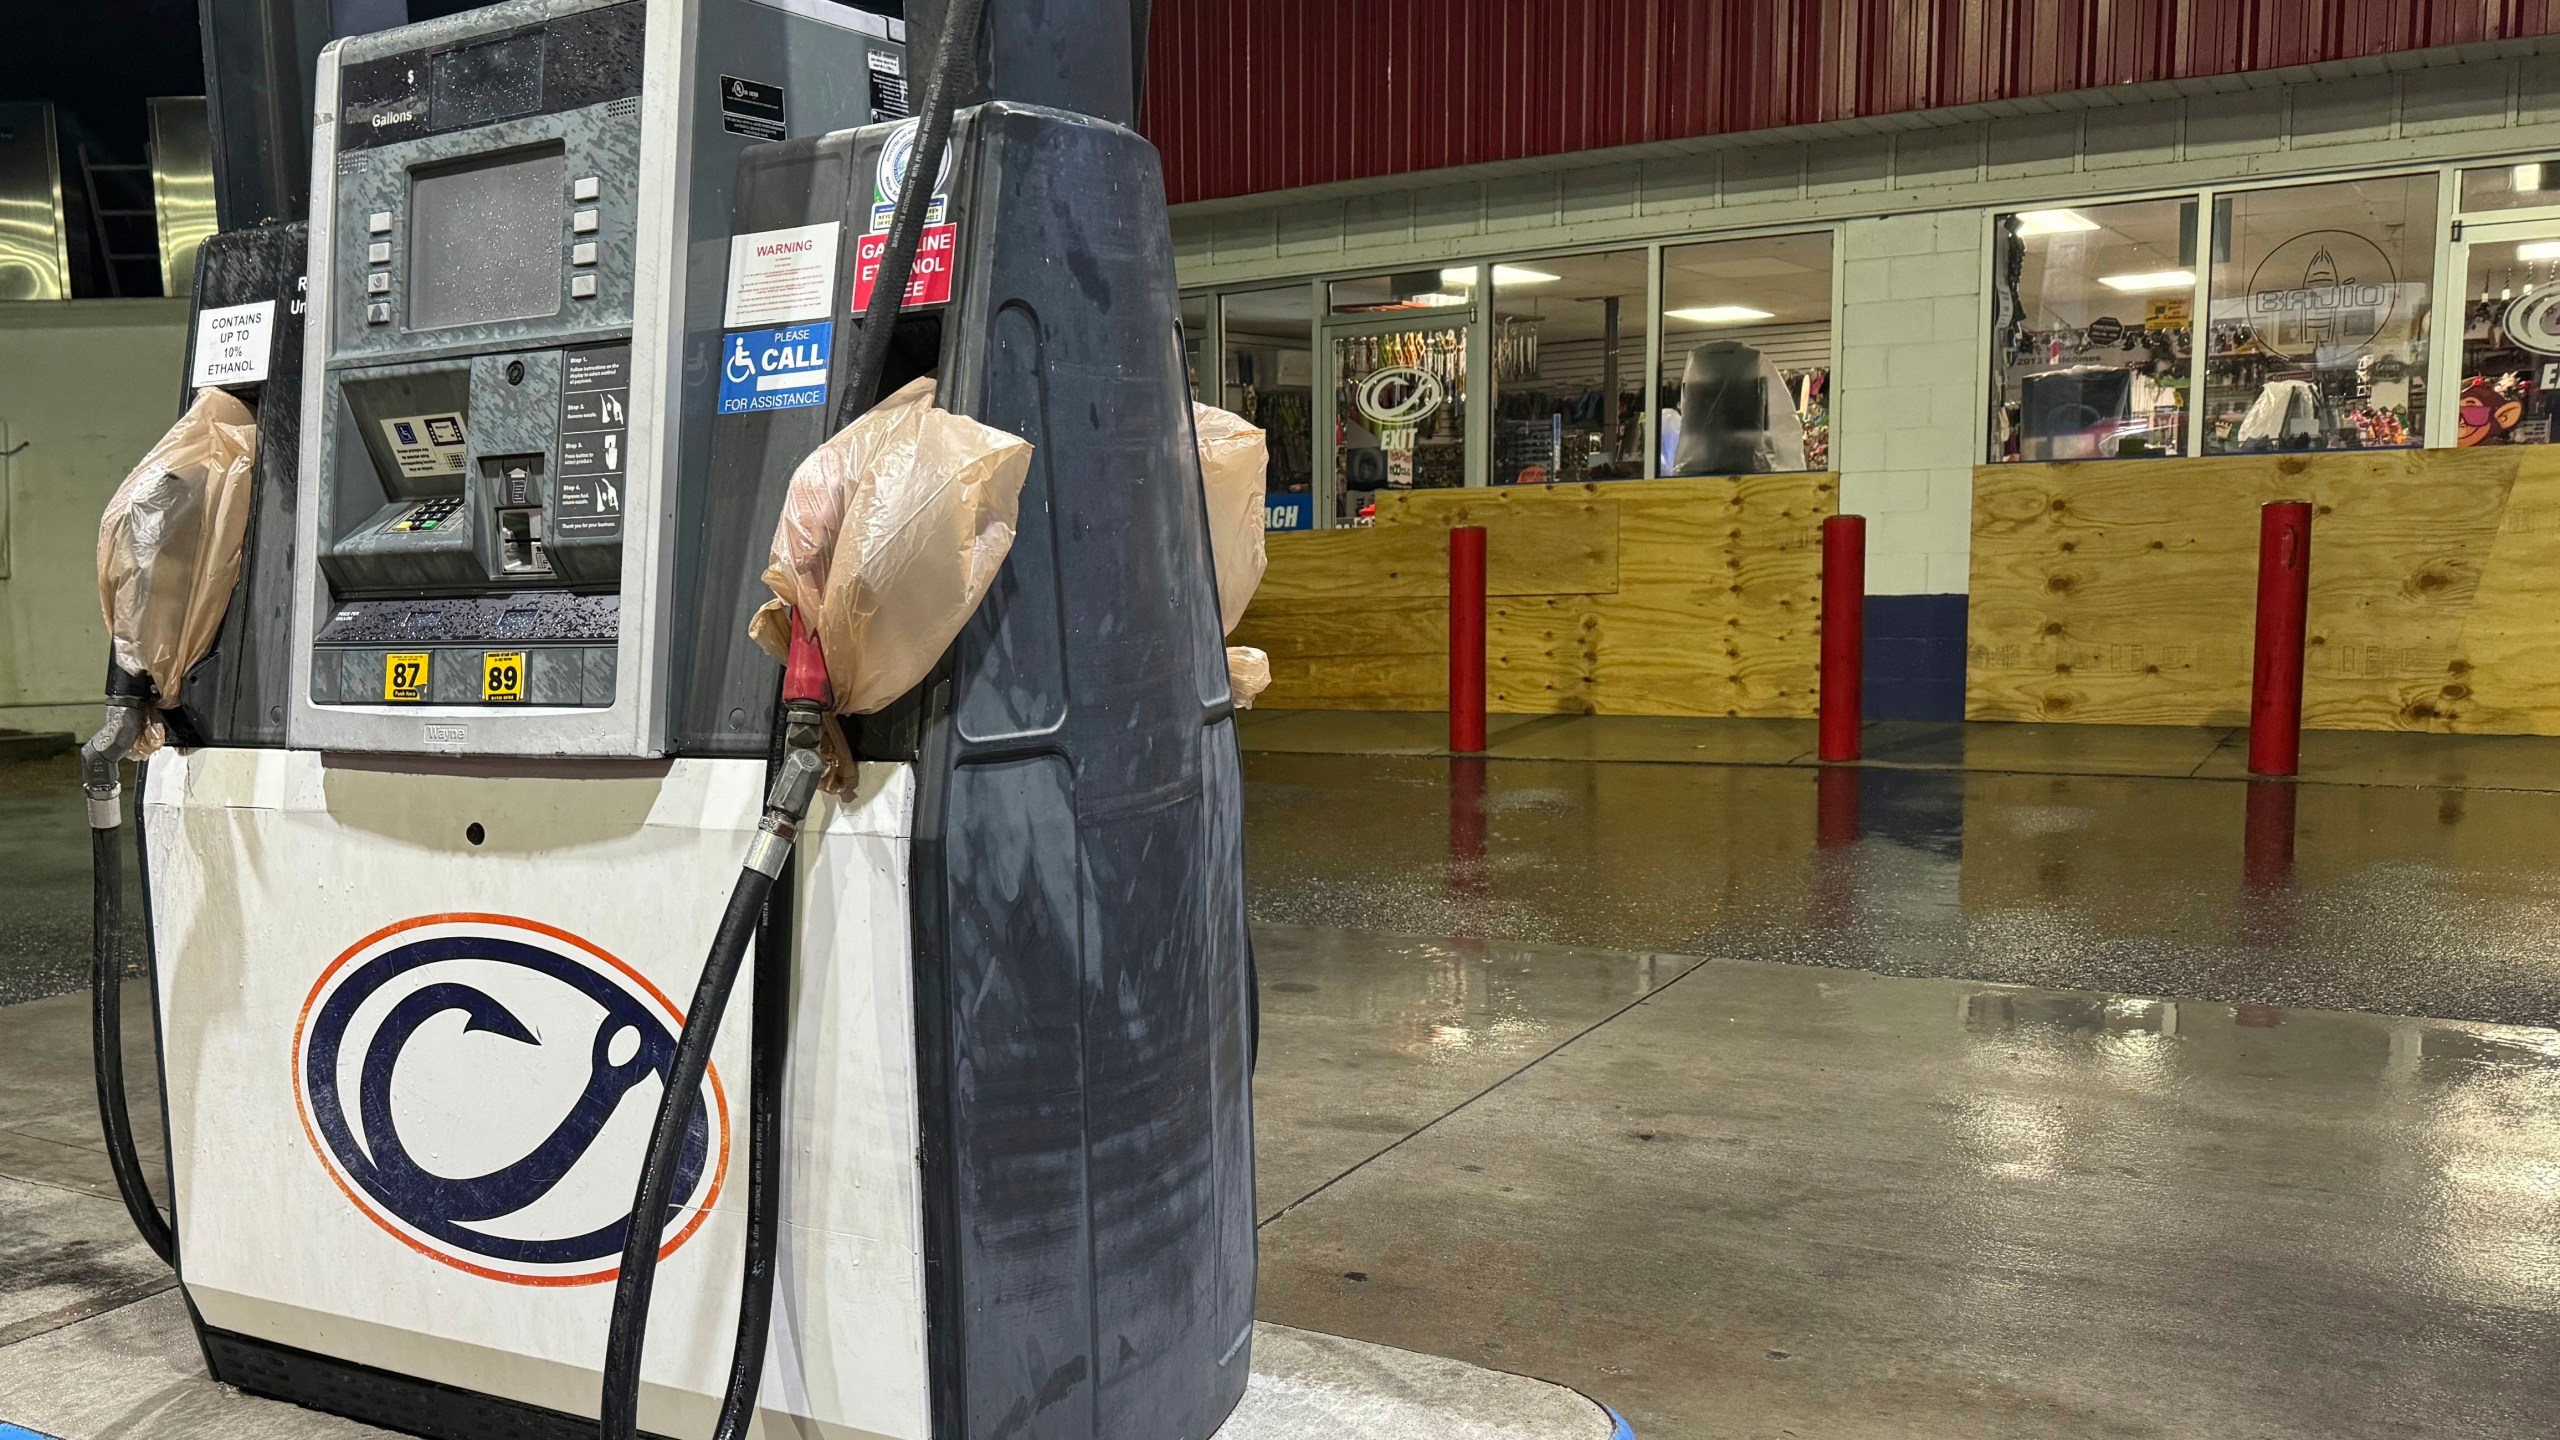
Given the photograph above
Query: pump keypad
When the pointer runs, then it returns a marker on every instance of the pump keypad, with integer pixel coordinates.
(428, 514)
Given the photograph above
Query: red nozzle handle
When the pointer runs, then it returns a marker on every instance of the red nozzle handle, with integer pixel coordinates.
(804, 678)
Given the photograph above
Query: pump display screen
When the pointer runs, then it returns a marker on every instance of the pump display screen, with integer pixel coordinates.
(484, 240)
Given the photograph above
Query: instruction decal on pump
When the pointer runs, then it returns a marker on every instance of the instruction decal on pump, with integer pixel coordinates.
(426, 446)
(232, 344)
(502, 676)
(928, 281)
(595, 440)
(781, 277)
(782, 369)
(404, 677)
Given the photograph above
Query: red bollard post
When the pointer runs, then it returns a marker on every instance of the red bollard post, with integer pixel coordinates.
(1466, 639)
(1844, 636)
(2275, 680)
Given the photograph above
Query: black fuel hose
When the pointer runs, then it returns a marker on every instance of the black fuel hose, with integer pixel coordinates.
(99, 760)
(618, 1410)
(619, 1414)
(749, 918)
(954, 57)
(106, 1032)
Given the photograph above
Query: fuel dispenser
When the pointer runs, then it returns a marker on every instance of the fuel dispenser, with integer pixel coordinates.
(970, 1156)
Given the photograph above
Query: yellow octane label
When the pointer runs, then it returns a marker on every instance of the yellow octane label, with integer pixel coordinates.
(502, 675)
(404, 677)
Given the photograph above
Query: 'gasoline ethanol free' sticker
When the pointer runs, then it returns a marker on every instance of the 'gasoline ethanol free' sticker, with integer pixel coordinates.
(424, 446)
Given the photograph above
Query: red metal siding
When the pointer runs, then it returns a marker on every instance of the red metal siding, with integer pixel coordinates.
(1253, 95)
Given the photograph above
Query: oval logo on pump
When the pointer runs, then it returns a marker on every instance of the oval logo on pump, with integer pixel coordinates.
(481, 1087)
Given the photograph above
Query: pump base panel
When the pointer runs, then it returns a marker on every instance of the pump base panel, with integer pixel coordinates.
(409, 1010)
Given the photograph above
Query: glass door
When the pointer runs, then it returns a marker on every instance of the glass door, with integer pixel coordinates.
(2506, 390)
(1397, 351)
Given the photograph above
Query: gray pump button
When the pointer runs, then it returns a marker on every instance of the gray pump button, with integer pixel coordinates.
(378, 253)
(584, 188)
(583, 222)
(379, 222)
(582, 287)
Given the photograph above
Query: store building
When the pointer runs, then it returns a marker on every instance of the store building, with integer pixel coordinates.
(1650, 288)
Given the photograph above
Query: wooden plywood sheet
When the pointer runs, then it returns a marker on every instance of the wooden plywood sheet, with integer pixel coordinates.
(2125, 592)
(1674, 597)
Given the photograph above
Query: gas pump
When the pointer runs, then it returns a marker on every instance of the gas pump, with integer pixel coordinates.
(971, 1156)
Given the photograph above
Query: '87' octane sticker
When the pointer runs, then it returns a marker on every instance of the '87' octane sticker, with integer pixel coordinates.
(404, 677)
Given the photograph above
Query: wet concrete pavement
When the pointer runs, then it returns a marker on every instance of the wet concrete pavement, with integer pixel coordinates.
(1771, 1200)
(1757, 1100)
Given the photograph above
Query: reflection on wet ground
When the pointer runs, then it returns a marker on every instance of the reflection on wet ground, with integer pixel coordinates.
(2392, 900)
(1759, 1200)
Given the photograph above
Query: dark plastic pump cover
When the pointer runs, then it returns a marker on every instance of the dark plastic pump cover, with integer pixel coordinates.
(1084, 983)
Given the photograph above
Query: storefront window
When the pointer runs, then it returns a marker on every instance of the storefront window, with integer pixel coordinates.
(2318, 320)
(1568, 369)
(2510, 337)
(1746, 356)
(1399, 414)
(2524, 185)
(1269, 378)
(2092, 331)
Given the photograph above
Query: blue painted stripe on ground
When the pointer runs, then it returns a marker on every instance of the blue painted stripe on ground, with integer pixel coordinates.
(9, 1431)
(1624, 1431)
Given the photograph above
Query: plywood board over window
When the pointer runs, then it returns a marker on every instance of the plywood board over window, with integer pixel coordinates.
(1656, 597)
(2125, 592)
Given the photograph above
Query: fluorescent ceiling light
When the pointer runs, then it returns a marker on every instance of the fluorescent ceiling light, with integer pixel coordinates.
(2150, 280)
(1462, 277)
(1719, 314)
(1435, 298)
(2539, 250)
(2053, 222)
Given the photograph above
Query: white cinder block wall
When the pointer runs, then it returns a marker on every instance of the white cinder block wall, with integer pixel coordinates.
(1909, 394)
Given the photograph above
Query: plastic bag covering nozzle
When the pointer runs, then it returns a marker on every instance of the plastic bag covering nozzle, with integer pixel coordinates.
(169, 545)
(1234, 461)
(890, 535)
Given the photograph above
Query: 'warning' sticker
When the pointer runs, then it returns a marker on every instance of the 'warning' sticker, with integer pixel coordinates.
(781, 277)
(425, 446)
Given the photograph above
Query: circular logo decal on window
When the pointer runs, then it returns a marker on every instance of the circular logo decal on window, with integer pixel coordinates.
(481, 1087)
(2532, 322)
(2324, 296)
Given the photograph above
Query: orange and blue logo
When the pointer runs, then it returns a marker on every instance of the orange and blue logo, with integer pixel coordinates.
(481, 1087)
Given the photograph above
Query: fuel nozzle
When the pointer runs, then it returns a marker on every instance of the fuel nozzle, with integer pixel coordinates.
(130, 699)
(805, 701)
